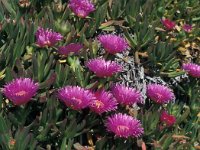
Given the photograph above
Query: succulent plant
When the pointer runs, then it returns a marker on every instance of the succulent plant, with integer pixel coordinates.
(95, 74)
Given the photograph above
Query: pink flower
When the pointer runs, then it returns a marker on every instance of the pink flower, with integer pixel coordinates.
(71, 48)
(47, 37)
(126, 95)
(104, 102)
(103, 68)
(81, 8)
(124, 126)
(160, 93)
(169, 25)
(168, 119)
(75, 97)
(112, 43)
(192, 69)
(20, 91)
(187, 27)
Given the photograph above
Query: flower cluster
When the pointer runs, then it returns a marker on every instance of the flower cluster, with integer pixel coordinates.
(100, 101)
(98, 57)
(79, 98)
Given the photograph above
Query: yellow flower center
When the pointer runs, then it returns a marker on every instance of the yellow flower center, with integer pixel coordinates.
(48, 43)
(21, 93)
(81, 15)
(122, 128)
(159, 95)
(77, 100)
(98, 104)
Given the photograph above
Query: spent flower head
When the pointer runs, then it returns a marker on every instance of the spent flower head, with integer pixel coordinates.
(169, 25)
(187, 27)
(169, 120)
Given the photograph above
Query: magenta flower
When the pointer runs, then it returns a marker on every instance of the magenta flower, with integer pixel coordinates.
(187, 27)
(47, 37)
(104, 102)
(81, 8)
(103, 68)
(169, 25)
(192, 69)
(169, 120)
(112, 43)
(126, 95)
(124, 125)
(21, 90)
(160, 93)
(71, 48)
(75, 97)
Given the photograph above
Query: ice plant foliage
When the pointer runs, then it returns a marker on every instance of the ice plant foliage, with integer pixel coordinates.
(94, 63)
(103, 68)
(187, 27)
(192, 69)
(81, 8)
(123, 125)
(46, 37)
(112, 43)
(169, 25)
(71, 48)
(21, 90)
(75, 97)
(104, 102)
(126, 95)
(160, 93)
(169, 120)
